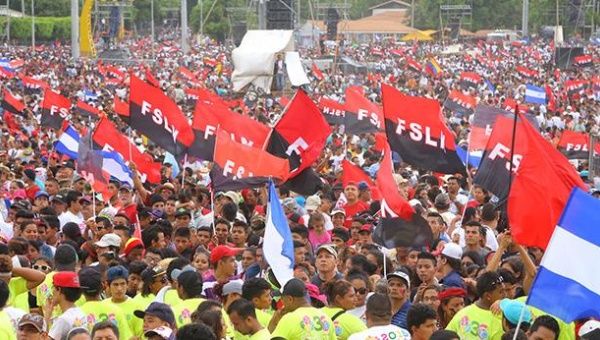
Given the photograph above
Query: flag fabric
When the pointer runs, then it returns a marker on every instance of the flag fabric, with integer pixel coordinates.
(55, 109)
(11, 103)
(575, 87)
(86, 110)
(150, 78)
(566, 268)
(526, 72)
(333, 111)
(542, 183)
(415, 129)
(490, 86)
(362, 115)
(89, 166)
(433, 67)
(583, 60)
(535, 94)
(457, 101)
(574, 145)
(278, 245)
(353, 173)
(291, 140)
(121, 108)
(113, 165)
(306, 183)
(154, 114)
(33, 85)
(551, 99)
(68, 143)
(317, 72)
(170, 159)
(6, 74)
(413, 64)
(470, 80)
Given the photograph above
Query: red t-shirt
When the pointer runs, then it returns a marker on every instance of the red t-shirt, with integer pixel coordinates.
(31, 191)
(353, 209)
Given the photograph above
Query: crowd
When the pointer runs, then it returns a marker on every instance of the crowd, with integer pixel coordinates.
(72, 265)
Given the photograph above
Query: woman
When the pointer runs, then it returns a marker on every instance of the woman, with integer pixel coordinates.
(451, 300)
(362, 287)
(342, 298)
(211, 314)
(480, 196)
(44, 265)
(429, 296)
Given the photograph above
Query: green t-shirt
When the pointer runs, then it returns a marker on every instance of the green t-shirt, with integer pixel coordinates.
(128, 307)
(305, 323)
(345, 324)
(44, 290)
(172, 298)
(184, 309)
(98, 311)
(567, 330)
(17, 288)
(263, 334)
(473, 322)
(7, 331)
(263, 317)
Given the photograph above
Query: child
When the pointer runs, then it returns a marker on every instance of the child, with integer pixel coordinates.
(317, 235)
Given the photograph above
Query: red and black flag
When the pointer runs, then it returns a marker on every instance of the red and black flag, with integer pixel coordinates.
(237, 166)
(413, 64)
(470, 80)
(150, 78)
(352, 173)
(526, 72)
(333, 111)
(317, 72)
(55, 109)
(460, 102)
(189, 76)
(154, 114)
(107, 137)
(575, 87)
(11, 104)
(89, 165)
(584, 60)
(415, 129)
(112, 72)
(574, 145)
(400, 225)
(121, 108)
(481, 127)
(191, 96)
(541, 186)
(33, 85)
(306, 183)
(292, 140)
(86, 110)
(362, 115)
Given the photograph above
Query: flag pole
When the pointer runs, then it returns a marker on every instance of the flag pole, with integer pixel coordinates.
(519, 322)
(512, 156)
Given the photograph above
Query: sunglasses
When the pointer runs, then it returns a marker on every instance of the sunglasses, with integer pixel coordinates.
(497, 282)
(361, 291)
(41, 267)
(162, 280)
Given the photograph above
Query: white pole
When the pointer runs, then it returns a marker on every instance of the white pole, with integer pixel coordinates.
(33, 26)
(75, 29)
(184, 27)
(152, 26)
(519, 323)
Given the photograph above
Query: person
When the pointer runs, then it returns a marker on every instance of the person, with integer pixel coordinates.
(258, 292)
(341, 297)
(474, 237)
(354, 205)
(512, 311)
(105, 330)
(443, 334)
(448, 266)
(399, 286)
(243, 318)
(74, 208)
(189, 289)
(116, 283)
(32, 327)
(223, 259)
(379, 317)
(195, 331)
(155, 316)
(421, 321)
(326, 266)
(451, 301)
(78, 333)
(65, 259)
(544, 327)
(426, 269)
(360, 282)
(476, 320)
(297, 319)
(7, 328)
(66, 290)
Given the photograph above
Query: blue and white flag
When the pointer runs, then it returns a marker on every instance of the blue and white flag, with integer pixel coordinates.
(278, 245)
(114, 164)
(170, 159)
(567, 284)
(535, 95)
(490, 86)
(68, 143)
(90, 96)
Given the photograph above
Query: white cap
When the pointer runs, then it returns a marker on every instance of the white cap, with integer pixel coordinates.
(109, 240)
(312, 202)
(452, 250)
(401, 275)
(588, 327)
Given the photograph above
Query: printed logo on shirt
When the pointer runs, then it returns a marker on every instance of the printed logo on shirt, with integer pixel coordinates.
(91, 319)
(316, 323)
(79, 322)
(185, 316)
(45, 290)
(474, 328)
(385, 336)
(338, 328)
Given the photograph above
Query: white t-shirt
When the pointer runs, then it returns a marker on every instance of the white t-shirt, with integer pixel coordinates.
(382, 332)
(68, 216)
(490, 237)
(73, 318)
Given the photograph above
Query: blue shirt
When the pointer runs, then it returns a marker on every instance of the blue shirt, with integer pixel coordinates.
(399, 319)
(453, 279)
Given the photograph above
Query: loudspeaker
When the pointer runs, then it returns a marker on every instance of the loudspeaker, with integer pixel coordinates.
(564, 56)
(332, 20)
(238, 30)
(280, 15)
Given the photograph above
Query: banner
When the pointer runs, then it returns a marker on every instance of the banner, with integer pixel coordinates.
(574, 145)
(333, 111)
(470, 80)
(362, 115)
(55, 109)
(11, 104)
(460, 102)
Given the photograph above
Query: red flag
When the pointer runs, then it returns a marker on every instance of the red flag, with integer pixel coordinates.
(108, 137)
(33, 84)
(86, 110)
(551, 98)
(353, 173)
(121, 108)
(526, 72)
(154, 114)
(55, 109)
(362, 115)
(458, 101)
(470, 79)
(410, 62)
(11, 103)
(317, 72)
(115, 73)
(574, 145)
(6, 74)
(191, 78)
(150, 77)
(392, 203)
(334, 112)
(542, 184)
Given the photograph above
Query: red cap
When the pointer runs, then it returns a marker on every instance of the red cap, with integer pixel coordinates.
(365, 227)
(219, 252)
(66, 280)
(131, 244)
(451, 292)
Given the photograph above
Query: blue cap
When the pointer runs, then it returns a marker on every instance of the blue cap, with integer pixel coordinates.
(42, 193)
(512, 310)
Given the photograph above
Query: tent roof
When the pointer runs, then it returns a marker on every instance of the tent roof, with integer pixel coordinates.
(387, 22)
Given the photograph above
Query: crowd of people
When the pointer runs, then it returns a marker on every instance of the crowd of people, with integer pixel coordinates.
(73, 267)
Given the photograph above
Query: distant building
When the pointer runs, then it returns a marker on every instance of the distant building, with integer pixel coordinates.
(391, 6)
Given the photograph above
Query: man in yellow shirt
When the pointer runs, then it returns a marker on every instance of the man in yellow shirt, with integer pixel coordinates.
(258, 292)
(243, 318)
(116, 284)
(477, 321)
(298, 319)
(189, 289)
(65, 259)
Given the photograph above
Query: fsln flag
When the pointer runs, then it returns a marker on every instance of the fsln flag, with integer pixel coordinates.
(575, 237)
(535, 95)
(68, 143)
(278, 246)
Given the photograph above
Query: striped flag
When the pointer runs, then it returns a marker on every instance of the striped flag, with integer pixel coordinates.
(535, 95)
(68, 143)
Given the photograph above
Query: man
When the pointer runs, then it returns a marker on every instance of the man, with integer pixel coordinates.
(421, 321)
(156, 315)
(474, 236)
(544, 327)
(489, 220)
(449, 266)
(353, 205)
(223, 259)
(438, 226)
(297, 319)
(457, 199)
(97, 310)
(154, 237)
(326, 264)
(364, 234)
(182, 218)
(108, 244)
(300, 252)
(243, 318)
(195, 331)
(232, 291)
(512, 311)
(105, 330)
(189, 290)
(379, 317)
(442, 206)
(476, 318)
(66, 291)
(221, 232)
(182, 237)
(32, 327)
(338, 216)
(340, 237)
(426, 268)
(258, 292)
(65, 259)
(116, 283)
(399, 286)
(239, 234)
(73, 213)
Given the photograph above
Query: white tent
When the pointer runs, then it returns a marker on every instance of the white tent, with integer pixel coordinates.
(254, 59)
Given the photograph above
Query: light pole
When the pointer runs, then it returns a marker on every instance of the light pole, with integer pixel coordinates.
(152, 26)
(75, 29)
(184, 27)
(525, 19)
(201, 18)
(33, 26)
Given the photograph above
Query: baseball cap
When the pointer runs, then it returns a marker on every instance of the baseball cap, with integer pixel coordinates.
(66, 280)
(90, 280)
(452, 250)
(233, 196)
(327, 248)
(400, 275)
(109, 240)
(150, 273)
(365, 227)
(125, 186)
(176, 272)
(232, 287)
(294, 287)
(219, 252)
(312, 202)
(159, 310)
(42, 193)
(452, 292)
(162, 331)
(58, 198)
(183, 212)
(35, 320)
(512, 310)
(131, 244)
(338, 211)
(590, 330)
(315, 293)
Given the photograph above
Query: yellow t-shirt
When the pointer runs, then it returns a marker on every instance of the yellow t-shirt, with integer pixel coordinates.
(7, 331)
(263, 317)
(128, 307)
(345, 324)
(473, 322)
(18, 286)
(172, 298)
(98, 311)
(144, 301)
(567, 330)
(183, 311)
(263, 334)
(305, 323)
(44, 290)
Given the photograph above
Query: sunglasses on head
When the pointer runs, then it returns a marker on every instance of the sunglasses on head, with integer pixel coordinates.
(40, 267)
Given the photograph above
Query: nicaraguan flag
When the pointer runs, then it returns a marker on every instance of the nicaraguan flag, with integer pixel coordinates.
(278, 246)
(114, 165)
(170, 159)
(490, 86)
(90, 96)
(567, 284)
(535, 95)
(68, 143)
